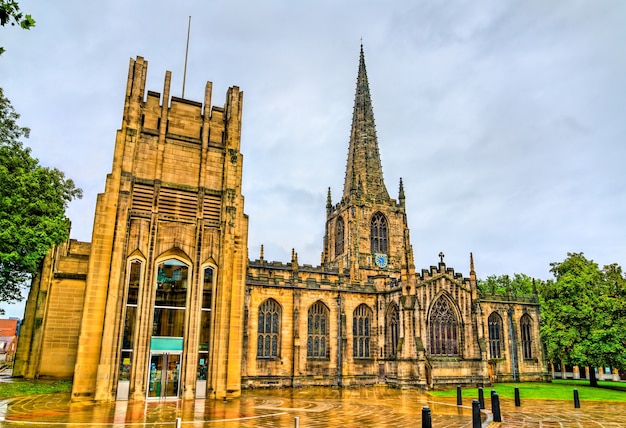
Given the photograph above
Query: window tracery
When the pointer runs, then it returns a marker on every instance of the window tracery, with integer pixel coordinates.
(268, 338)
(526, 330)
(378, 234)
(495, 335)
(361, 331)
(318, 331)
(443, 329)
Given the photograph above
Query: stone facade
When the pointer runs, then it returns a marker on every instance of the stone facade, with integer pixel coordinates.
(420, 329)
(165, 303)
(49, 333)
(168, 251)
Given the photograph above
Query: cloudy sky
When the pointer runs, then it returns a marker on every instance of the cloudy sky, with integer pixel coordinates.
(505, 119)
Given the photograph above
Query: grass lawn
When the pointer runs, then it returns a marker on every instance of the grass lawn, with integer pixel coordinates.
(19, 387)
(555, 390)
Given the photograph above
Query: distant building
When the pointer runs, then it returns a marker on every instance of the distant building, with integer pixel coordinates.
(9, 330)
(165, 303)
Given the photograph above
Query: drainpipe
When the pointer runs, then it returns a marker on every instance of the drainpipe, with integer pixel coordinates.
(338, 339)
(513, 350)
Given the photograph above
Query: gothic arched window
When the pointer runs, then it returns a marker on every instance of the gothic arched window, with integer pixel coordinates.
(339, 235)
(495, 335)
(378, 233)
(392, 331)
(526, 324)
(361, 331)
(268, 337)
(443, 329)
(318, 331)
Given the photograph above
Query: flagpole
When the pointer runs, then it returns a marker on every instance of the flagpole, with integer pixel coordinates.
(186, 54)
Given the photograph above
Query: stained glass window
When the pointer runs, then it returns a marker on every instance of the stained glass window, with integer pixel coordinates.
(268, 329)
(443, 329)
(526, 327)
(495, 335)
(361, 321)
(378, 234)
(317, 337)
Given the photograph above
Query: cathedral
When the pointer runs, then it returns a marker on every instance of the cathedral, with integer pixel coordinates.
(164, 302)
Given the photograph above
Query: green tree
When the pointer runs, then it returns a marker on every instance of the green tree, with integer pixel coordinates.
(519, 285)
(33, 200)
(612, 328)
(583, 314)
(10, 14)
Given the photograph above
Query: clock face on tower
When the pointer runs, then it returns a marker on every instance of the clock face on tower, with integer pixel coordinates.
(380, 260)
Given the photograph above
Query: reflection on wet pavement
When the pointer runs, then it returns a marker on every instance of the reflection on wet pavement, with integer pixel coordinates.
(315, 407)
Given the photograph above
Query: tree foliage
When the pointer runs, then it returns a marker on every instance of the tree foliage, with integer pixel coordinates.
(33, 200)
(584, 314)
(10, 14)
(518, 285)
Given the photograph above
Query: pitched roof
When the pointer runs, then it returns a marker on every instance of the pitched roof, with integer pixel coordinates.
(8, 327)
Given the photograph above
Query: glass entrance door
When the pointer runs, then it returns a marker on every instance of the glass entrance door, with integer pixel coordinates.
(164, 375)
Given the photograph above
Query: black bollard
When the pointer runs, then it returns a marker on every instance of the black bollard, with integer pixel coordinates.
(481, 398)
(426, 419)
(495, 407)
(459, 397)
(517, 401)
(576, 399)
(493, 391)
(476, 414)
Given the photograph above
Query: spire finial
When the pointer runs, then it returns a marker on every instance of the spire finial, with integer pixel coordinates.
(262, 251)
(401, 192)
(329, 202)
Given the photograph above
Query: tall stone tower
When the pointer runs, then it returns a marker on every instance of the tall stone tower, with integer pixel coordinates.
(164, 289)
(366, 232)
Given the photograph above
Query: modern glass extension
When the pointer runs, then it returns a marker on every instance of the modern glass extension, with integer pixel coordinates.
(164, 328)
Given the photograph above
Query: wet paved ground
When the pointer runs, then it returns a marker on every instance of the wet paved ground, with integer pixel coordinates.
(315, 407)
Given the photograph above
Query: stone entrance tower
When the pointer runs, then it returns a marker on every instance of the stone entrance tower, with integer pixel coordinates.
(164, 289)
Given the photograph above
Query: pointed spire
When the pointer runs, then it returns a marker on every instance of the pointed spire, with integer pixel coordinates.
(329, 201)
(363, 155)
(401, 197)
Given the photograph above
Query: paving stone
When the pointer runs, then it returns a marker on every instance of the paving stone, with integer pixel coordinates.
(315, 407)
